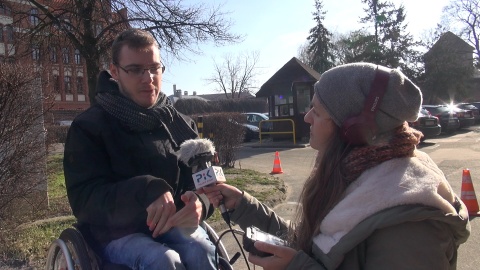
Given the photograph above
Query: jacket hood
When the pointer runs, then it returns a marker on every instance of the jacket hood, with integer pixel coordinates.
(106, 84)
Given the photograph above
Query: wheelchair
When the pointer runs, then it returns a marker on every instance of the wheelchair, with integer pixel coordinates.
(71, 251)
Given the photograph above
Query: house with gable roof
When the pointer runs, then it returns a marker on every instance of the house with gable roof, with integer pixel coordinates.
(450, 75)
(289, 92)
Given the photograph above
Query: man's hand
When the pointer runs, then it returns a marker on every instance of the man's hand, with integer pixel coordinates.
(280, 260)
(190, 214)
(159, 212)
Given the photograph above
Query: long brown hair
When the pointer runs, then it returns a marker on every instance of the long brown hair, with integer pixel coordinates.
(339, 166)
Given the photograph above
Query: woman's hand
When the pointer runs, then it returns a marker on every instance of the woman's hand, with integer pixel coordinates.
(282, 256)
(230, 195)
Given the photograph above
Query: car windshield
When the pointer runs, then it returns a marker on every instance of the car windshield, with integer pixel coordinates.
(423, 112)
(454, 108)
(254, 117)
(437, 110)
(469, 107)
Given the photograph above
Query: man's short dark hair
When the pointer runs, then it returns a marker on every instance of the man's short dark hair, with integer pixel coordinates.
(133, 38)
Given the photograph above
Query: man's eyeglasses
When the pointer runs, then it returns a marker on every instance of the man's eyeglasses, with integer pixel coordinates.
(139, 71)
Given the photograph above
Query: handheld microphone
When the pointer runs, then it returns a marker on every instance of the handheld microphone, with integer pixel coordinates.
(198, 153)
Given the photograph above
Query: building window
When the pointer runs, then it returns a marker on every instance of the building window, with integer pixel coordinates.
(78, 59)
(35, 53)
(283, 105)
(4, 10)
(303, 99)
(1, 33)
(98, 29)
(9, 36)
(34, 16)
(80, 85)
(66, 58)
(67, 24)
(68, 86)
(56, 84)
(53, 54)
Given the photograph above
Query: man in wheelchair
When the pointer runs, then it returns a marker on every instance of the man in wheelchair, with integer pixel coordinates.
(125, 184)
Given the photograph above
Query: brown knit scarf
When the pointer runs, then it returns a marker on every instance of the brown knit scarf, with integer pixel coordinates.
(400, 143)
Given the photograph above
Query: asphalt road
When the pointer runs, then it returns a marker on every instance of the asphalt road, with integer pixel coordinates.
(451, 153)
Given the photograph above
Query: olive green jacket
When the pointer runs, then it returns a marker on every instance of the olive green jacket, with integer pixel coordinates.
(401, 214)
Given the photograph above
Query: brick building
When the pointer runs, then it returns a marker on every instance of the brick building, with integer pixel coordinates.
(64, 80)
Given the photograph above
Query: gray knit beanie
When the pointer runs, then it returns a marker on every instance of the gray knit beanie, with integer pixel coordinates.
(342, 91)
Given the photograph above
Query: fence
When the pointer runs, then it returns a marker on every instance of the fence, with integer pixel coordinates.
(277, 132)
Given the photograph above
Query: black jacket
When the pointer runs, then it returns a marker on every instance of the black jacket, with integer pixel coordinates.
(113, 173)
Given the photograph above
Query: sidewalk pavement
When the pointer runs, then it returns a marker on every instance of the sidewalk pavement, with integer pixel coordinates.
(451, 153)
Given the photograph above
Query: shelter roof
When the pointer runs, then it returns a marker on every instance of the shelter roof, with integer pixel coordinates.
(294, 71)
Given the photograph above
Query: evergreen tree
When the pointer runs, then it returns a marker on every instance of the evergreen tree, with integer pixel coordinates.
(319, 45)
(390, 45)
(356, 46)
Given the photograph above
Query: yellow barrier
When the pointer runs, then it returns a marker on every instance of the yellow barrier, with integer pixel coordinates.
(200, 126)
(279, 132)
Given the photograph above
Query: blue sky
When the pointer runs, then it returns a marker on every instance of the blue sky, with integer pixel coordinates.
(276, 29)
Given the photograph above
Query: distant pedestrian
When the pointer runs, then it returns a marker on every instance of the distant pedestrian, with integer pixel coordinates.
(372, 201)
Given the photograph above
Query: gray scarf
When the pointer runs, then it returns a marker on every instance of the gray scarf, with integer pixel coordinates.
(138, 118)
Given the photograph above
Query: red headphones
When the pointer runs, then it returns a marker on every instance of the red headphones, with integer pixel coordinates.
(362, 129)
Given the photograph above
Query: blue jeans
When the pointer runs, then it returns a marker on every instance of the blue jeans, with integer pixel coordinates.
(176, 249)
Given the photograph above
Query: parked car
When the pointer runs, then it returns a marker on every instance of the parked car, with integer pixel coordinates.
(471, 107)
(428, 124)
(254, 119)
(476, 104)
(251, 132)
(448, 118)
(465, 116)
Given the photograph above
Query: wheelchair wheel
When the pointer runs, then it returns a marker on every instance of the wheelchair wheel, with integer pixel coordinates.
(56, 258)
(223, 264)
(77, 252)
(223, 259)
(214, 238)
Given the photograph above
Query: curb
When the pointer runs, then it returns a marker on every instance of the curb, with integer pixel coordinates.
(276, 144)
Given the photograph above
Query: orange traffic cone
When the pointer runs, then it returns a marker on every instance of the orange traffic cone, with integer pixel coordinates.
(277, 168)
(468, 194)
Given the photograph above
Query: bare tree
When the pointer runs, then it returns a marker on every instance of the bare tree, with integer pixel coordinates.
(430, 37)
(235, 75)
(228, 134)
(467, 14)
(90, 26)
(302, 53)
(22, 140)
